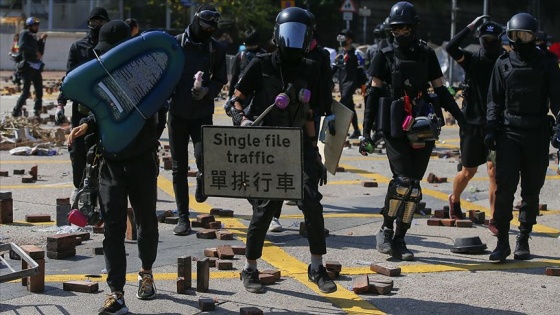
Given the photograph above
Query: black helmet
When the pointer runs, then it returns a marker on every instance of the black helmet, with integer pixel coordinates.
(522, 22)
(424, 128)
(293, 29)
(403, 13)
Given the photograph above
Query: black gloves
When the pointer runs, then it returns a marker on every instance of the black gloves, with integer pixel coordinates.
(366, 146)
(237, 116)
(321, 169)
(490, 138)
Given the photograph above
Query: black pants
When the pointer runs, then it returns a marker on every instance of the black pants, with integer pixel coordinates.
(346, 99)
(180, 132)
(78, 150)
(405, 161)
(520, 153)
(310, 206)
(30, 76)
(137, 179)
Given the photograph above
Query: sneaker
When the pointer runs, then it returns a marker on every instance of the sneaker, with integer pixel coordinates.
(275, 225)
(114, 304)
(400, 251)
(251, 281)
(355, 135)
(146, 286)
(455, 210)
(384, 238)
(198, 195)
(182, 228)
(321, 279)
(492, 228)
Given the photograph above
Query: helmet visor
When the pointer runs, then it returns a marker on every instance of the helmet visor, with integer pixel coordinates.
(292, 35)
(522, 36)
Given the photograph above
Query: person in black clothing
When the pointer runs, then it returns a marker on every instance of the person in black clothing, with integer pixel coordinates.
(130, 174)
(134, 28)
(346, 68)
(286, 70)
(80, 52)
(542, 44)
(408, 120)
(191, 107)
(478, 69)
(242, 60)
(30, 68)
(523, 83)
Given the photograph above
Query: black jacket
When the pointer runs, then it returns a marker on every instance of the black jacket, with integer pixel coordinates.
(29, 45)
(198, 57)
(80, 52)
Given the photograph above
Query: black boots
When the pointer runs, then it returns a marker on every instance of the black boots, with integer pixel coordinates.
(522, 251)
(502, 248)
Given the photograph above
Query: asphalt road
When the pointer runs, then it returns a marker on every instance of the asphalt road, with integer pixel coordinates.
(436, 282)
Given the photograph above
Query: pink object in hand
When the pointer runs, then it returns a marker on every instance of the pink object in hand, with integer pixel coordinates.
(76, 217)
(407, 123)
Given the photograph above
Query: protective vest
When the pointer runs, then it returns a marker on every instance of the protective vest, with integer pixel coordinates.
(408, 77)
(294, 114)
(523, 89)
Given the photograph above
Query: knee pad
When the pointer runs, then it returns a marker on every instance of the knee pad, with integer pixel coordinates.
(398, 191)
(412, 201)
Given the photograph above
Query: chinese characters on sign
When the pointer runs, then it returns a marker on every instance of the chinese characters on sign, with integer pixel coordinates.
(252, 162)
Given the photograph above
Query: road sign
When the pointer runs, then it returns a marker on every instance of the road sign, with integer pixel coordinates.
(347, 16)
(348, 6)
(286, 4)
(364, 12)
(253, 162)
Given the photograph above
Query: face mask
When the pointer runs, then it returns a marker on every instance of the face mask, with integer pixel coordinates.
(491, 48)
(291, 56)
(525, 50)
(94, 32)
(404, 41)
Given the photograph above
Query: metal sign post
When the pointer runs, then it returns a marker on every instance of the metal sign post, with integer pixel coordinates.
(253, 162)
(365, 12)
(348, 9)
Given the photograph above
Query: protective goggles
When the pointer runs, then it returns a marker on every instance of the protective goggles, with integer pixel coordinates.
(341, 38)
(522, 36)
(209, 16)
(96, 22)
(400, 30)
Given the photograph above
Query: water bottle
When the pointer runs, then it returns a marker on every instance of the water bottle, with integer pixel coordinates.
(368, 146)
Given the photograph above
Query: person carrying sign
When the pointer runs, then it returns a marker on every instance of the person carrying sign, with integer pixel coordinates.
(287, 71)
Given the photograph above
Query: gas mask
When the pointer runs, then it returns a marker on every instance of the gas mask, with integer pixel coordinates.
(402, 35)
(342, 40)
(291, 56)
(205, 22)
(94, 25)
(523, 43)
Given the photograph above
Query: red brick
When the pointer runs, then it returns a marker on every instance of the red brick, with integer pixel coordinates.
(543, 206)
(250, 310)
(448, 222)
(212, 261)
(33, 251)
(434, 222)
(192, 173)
(210, 252)
(333, 265)
(131, 233)
(552, 271)
(84, 236)
(181, 285)
(6, 211)
(36, 283)
(171, 220)
(215, 225)
(380, 288)
(167, 164)
(479, 217)
(273, 272)
(431, 178)
(333, 274)
(62, 254)
(440, 214)
(27, 180)
(225, 252)
(38, 217)
(224, 235)
(238, 249)
(441, 179)
(81, 286)
(202, 275)
(215, 211)
(61, 242)
(34, 172)
(184, 271)
(421, 206)
(206, 304)
(266, 279)
(206, 234)
(369, 184)
(385, 269)
(62, 201)
(464, 223)
(196, 224)
(360, 284)
(226, 213)
(161, 217)
(205, 220)
(224, 264)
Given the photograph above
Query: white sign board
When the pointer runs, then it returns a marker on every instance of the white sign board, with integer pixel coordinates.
(347, 16)
(253, 162)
